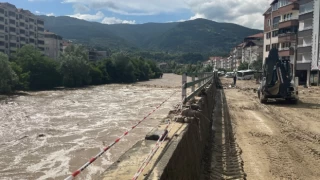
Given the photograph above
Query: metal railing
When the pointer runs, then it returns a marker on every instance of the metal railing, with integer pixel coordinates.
(202, 81)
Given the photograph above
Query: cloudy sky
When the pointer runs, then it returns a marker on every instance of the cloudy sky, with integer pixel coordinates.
(244, 12)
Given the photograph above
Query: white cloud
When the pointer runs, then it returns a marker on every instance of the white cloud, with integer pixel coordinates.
(243, 12)
(50, 14)
(37, 12)
(113, 20)
(89, 17)
(80, 8)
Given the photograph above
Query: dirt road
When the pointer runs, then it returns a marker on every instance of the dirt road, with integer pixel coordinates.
(265, 141)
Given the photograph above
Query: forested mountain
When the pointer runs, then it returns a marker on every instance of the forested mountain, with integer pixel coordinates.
(199, 35)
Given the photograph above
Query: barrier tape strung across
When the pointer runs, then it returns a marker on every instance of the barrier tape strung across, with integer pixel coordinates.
(154, 149)
(145, 160)
(151, 154)
(77, 172)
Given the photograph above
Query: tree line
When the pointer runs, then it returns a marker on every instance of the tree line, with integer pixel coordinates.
(29, 69)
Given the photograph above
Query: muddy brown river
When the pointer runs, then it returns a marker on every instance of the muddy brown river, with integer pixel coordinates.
(49, 134)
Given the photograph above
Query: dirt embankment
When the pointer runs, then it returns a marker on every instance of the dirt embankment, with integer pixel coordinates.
(276, 140)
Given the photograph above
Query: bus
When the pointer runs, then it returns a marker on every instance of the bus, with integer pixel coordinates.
(245, 74)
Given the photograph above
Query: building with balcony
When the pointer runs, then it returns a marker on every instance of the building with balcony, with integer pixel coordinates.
(252, 48)
(52, 44)
(280, 28)
(19, 27)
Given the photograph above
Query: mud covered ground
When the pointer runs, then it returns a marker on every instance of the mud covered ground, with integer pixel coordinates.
(264, 141)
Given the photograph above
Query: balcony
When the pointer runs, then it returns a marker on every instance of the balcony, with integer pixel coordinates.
(305, 28)
(304, 45)
(289, 7)
(13, 48)
(13, 40)
(12, 17)
(286, 37)
(305, 11)
(288, 23)
(12, 25)
(304, 49)
(286, 51)
(12, 32)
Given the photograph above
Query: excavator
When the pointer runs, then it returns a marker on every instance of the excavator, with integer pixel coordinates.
(277, 81)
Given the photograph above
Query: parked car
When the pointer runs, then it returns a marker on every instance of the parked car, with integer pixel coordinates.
(229, 75)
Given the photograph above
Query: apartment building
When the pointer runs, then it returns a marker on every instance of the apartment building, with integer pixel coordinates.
(53, 45)
(308, 43)
(315, 64)
(280, 28)
(305, 41)
(19, 27)
(252, 48)
(236, 56)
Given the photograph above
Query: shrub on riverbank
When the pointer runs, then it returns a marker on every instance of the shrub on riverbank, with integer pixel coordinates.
(30, 69)
(8, 77)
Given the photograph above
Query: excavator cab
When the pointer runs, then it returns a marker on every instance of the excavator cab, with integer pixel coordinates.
(277, 81)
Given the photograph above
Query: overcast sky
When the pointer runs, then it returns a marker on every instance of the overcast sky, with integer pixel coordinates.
(244, 12)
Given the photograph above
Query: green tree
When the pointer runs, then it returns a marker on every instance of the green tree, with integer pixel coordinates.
(243, 66)
(124, 69)
(23, 83)
(74, 67)
(96, 75)
(8, 77)
(40, 70)
(257, 65)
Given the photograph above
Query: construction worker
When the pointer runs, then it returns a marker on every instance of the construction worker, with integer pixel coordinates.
(234, 79)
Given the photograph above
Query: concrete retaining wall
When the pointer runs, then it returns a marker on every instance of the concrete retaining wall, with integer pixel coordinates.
(183, 156)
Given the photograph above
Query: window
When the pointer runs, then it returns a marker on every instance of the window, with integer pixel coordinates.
(268, 35)
(286, 45)
(287, 17)
(269, 22)
(274, 33)
(267, 48)
(275, 45)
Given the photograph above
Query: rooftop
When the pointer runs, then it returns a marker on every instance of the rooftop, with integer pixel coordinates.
(260, 35)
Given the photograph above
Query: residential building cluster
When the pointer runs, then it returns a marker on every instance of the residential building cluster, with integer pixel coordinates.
(19, 27)
(250, 50)
(292, 26)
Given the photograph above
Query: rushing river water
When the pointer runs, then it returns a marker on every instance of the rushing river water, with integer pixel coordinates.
(48, 134)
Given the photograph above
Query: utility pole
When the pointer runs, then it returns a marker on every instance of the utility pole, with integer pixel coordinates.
(250, 57)
(295, 57)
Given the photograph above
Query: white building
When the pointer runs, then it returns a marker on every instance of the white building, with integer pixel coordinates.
(53, 45)
(19, 27)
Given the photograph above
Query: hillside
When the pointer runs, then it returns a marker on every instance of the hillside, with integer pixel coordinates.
(198, 35)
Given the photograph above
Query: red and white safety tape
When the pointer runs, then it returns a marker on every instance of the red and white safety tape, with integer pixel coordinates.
(152, 152)
(77, 172)
(155, 148)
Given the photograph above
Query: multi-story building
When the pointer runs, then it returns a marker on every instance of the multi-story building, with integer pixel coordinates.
(19, 27)
(53, 45)
(308, 43)
(280, 29)
(236, 55)
(305, 41)
(315, 64)
(252, 48)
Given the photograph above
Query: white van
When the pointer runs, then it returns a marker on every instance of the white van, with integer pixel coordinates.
(245, 74)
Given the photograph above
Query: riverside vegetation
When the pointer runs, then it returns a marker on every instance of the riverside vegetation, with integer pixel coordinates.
(28, 69)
